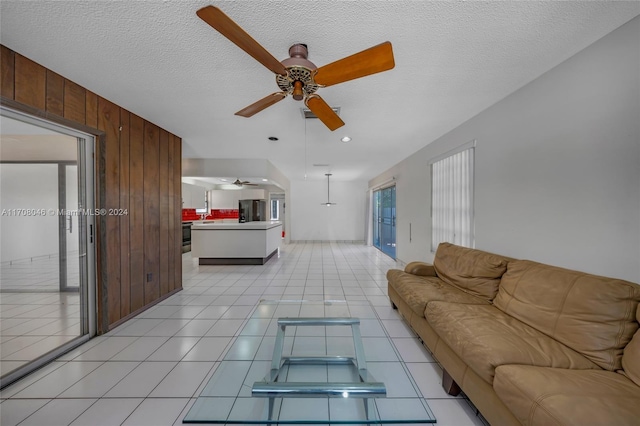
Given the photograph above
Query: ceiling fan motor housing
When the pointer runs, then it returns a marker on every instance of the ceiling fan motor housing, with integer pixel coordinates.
(299, 79)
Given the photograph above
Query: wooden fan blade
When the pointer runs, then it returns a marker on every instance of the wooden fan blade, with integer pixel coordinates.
(263, 103)
(371, 61)
(323, 111)
(225, 26)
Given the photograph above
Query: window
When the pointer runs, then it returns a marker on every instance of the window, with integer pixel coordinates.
(452, 198)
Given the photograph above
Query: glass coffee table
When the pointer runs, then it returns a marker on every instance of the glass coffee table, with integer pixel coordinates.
(311, 362)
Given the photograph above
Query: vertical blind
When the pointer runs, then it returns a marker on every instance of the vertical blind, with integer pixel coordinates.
(452, 200)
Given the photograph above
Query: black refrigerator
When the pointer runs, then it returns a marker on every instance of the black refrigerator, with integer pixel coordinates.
(252, 211)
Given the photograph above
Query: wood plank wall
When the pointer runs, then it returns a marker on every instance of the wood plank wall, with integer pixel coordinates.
(138, 168)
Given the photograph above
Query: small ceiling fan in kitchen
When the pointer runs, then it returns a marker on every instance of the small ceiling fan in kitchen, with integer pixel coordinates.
(296, 75)
(242, 183)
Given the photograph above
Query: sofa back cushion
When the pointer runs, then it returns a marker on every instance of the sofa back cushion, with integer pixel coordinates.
(473, 271)
(593, 315)
(631, 355)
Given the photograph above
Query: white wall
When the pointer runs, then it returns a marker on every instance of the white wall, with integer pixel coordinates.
(28, 186)
(557, 167)
(312, 221)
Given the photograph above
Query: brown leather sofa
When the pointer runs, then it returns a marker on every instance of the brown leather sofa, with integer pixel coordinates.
(528, 343)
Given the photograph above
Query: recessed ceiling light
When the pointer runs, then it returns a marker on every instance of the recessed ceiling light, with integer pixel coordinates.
(346, 139)
(265, 180)
(273, 138)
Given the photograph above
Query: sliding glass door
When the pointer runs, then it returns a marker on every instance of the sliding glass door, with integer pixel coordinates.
(47, 284)
(384, 220)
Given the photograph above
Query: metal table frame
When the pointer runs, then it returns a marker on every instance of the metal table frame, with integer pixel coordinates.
(271, 388)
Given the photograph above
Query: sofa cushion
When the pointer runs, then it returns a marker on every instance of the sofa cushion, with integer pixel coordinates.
(631, 355)
(417, 291)
(473, 271)
(540, 396)
(485, 338)
(591, 314)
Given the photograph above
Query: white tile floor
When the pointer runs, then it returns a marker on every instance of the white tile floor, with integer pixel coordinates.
(150, 370)
(33, 323)
(38, 274)
(35, 317)
(31, 274)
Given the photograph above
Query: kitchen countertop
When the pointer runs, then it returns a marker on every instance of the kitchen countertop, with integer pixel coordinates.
(264, 225)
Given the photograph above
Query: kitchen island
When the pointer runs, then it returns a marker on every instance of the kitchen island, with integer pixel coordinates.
(250, 243)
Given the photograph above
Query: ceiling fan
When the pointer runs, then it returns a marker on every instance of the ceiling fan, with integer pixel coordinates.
(239, 182)
(297, 75)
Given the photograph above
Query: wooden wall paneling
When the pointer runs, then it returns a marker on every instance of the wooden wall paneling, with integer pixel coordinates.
(164, 212)
(125, 243)
(136, 212)
(151, 213)
(109, 122)
(91, 115)
(30, 83)
(177, 185)
(55, 93)
(74, 102)
(134, 171)
(171, 247)
(7, 70)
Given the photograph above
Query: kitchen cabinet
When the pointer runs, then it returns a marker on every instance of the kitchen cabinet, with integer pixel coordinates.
(193, 196)
(251, 243)
(228, 199)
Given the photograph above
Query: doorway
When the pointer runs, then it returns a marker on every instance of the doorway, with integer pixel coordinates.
(277, 208)
(47, 256)
(384, 220)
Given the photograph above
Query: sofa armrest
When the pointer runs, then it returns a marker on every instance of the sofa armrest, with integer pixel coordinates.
(421, 269)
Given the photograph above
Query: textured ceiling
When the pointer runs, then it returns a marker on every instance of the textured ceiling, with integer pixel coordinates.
(160, 61)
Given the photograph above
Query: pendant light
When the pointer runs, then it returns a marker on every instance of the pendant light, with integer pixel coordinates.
(328, 203)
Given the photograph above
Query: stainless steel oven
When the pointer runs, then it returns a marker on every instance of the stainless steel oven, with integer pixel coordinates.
(186, 236)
